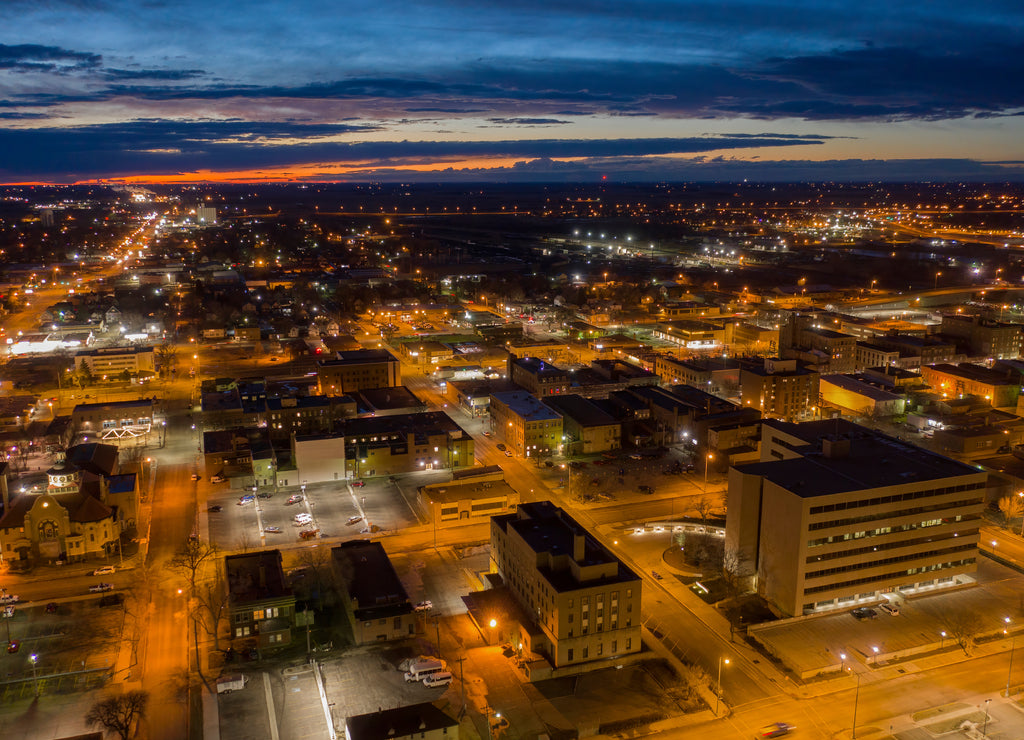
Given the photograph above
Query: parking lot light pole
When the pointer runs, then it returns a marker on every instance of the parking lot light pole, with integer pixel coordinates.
(1009, 670)
(718, 693)
(984, 727)
(707, 461)
(33, 659)
(856, 700)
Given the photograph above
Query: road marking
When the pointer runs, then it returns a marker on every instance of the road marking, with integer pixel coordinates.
(270, 707)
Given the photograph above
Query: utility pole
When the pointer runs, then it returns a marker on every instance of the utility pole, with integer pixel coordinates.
(462, 687)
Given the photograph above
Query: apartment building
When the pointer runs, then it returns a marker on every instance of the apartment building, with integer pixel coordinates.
(982, 337)
(357, 369)
(375, 602)
(526, 425)
(584, 602)
(260, 604)
(835, 514)
(782, 389)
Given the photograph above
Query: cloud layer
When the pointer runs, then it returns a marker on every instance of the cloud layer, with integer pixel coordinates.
(112, 87)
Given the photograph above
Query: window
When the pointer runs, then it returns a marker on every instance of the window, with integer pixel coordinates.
(586, 652)
(600, 648)
(629, 643)
(615, 646)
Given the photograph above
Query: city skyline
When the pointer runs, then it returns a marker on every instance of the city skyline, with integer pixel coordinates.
(451, 90)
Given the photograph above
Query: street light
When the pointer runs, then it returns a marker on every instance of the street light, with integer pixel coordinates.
(1009, 670)
(718, 694)
(842, 658)
(856, 700)
(33, 659)
(984, 727)
(707, 461)
(942, 642)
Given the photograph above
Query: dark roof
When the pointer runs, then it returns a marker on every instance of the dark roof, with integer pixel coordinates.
(136, 403)
(397, 723)
(255, 576)
(81, 507)
(398, 397)
(124, 483)
(429, 422)
(580, 410)
(373, 585)
(94, 457)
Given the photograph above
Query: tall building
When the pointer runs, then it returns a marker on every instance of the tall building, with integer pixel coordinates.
(835, 514)
(782, 389)
(584, 602)
(981, 337)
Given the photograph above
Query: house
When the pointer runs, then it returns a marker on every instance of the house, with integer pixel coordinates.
(415, 722)
(260, 604)
(375, 602)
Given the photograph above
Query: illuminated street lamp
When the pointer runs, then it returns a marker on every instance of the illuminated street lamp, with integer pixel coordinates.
(33, 659)
(718, 693)
(707, 461)
(856, 700)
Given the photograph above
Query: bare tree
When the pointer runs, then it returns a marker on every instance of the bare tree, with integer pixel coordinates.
(212, 598)
(704, 506)
(961, 627)
(167, 357)
(191, 558)
(1011, 507)
(119, 714)
(325, 580)
(244, 542)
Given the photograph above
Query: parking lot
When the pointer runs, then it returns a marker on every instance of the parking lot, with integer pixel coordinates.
(334, 509)
(817, 644)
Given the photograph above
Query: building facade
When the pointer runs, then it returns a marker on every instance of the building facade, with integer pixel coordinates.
(260, 604)
(526, 425)
(376, 604)
(112, 363)
(584, 602)
(781, 389)
(357, 369)
(836, 514)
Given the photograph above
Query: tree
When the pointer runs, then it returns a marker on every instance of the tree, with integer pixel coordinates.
(212, 598)
(1011, 507)
(167, 358)
(704, 506)
(119, 714)
(190, 559)
(961, 627)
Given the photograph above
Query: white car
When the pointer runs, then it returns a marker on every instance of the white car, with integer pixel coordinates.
(424, 606)
(195, 476)
(889, 608)
(106, 570)
(9, 599)
(218, 479)
(97, 588)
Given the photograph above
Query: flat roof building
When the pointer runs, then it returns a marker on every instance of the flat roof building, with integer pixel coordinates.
(584, 600)
(376, 604)
(835, 514)
(358, 369)
(525, 424)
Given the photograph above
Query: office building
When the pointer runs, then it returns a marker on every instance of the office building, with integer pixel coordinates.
(782, 389)
(835, 514)
(526, 425)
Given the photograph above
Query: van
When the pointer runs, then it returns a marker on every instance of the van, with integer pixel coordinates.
(303, 517)
(233, 682)
(441, 678)
(423, 668)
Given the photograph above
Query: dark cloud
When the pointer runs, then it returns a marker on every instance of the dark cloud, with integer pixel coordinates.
(153, 74)
(446, 110)
(527, 121)
(154, 147)
(20, 116)
(26, 57)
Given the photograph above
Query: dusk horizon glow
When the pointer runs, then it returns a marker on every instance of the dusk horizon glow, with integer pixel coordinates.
(455, 90)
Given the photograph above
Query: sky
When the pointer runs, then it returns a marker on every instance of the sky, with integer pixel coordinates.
(511, 90)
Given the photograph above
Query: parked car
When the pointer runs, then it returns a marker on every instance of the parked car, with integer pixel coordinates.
(97, 588)
(272, 530)
(265, 494)
(358, 483)
(106, 570)
(308, 534)
(246, 499)
(13, 646)
(487, 434)
(9, 599)
(51, 608)
(295, 498)
(218, 479)
(435, 680)
(215, 508)
(424, 606)
(889, 608)
(196, 476)
(864, 612)
(645, 489)
(354, 520)
(508, 453)
(500, 446)
(776, 729)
